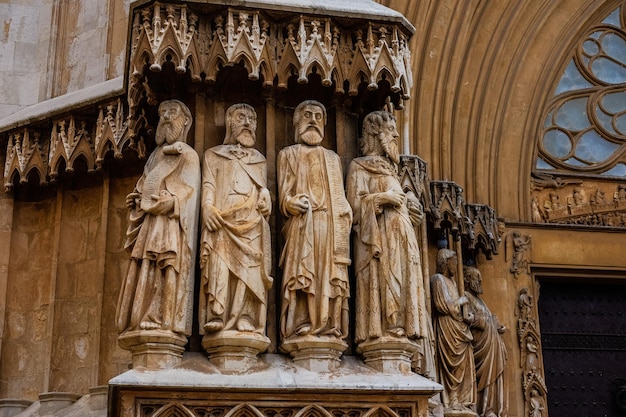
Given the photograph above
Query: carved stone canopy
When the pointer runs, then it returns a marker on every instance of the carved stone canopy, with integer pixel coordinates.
(350, 46)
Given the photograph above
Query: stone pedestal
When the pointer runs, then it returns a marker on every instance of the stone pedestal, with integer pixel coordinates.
(154, 349)
(234, 351)
(389, 354)
(275, 387)
(12, 406)
(315, 353)
(51, 402)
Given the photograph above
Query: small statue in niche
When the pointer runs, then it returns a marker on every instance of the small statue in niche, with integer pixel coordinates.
(390, 292)
(489, 350)
(537, 405)
(316, 255)
(157, 293)
(521, 244)
(235, 255)
(455, 357)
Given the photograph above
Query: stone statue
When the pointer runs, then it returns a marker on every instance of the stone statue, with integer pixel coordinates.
(157, 293)
(537, 406)
(316, 253)
(489, 350)
(390, 291)
(235, 254)
(455, 357)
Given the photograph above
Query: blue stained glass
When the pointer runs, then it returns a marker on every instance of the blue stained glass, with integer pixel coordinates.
(572, 80)
(542, 164)
(572, 115)
(614, 102)
(620, 124)
(575, 162)
(557, 143)
(618, 170)
(591, 48)
(609, 71)
(613, 19)
(605, 120)
(593, 148)
(615, 46)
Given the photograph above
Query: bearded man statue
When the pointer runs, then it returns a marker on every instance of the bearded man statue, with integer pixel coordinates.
(157, 294)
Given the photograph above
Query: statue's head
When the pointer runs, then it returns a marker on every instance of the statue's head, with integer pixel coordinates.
(240, 125)
(309, 119)
(446, 262)
(380, 135)
(174, 122)
(473, 280)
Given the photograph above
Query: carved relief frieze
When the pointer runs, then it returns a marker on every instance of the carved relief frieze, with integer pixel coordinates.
(531, 361)
(591, 203)
(27, 152)
(70, 139)
(169, 408)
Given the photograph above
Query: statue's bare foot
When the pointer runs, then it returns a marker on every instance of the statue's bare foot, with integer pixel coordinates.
(398, 332)
(244, 325)
(304, 329)
(149, 325)
(214, 326)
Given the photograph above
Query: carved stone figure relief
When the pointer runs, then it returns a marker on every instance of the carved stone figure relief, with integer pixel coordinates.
(156, 298)
(316, 253)
(574, 202)
(517, 246)
(390, 306)
(235, 254)
(489, 351)
(455, 356)
(533, 382)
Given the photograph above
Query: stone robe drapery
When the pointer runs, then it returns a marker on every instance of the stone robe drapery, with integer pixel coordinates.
(454, 344)
(316, 253)
(159, 242)
(233, 180)
(489, 358)
(390, 292)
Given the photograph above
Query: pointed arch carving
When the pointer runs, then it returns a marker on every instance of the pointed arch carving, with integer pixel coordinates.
(244, 410)
(173, 410)
(381, 411)
(272, 48)
(313, 410)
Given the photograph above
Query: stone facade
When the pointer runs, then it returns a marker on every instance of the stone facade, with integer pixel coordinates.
(79, 120)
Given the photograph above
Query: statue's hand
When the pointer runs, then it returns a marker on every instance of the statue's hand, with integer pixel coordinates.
(297, 204)
(163, 203)
(391, 198)
(212, 218)
(132, 200)
(462, 300)
(265, 202)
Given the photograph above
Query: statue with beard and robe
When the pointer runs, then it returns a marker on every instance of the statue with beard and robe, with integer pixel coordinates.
(489, 350)
(390, 298)
(316, 253)
(235, 252)
(455, 357)
(157, 293)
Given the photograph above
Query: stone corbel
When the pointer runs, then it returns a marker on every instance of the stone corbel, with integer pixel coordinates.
(70, 139)
(26, 153)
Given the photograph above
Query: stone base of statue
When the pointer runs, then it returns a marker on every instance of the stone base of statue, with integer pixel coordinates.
(389, 354)
(234, 351)
(153, 349)
(276, 386)
(459, 412)
(315, 353)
